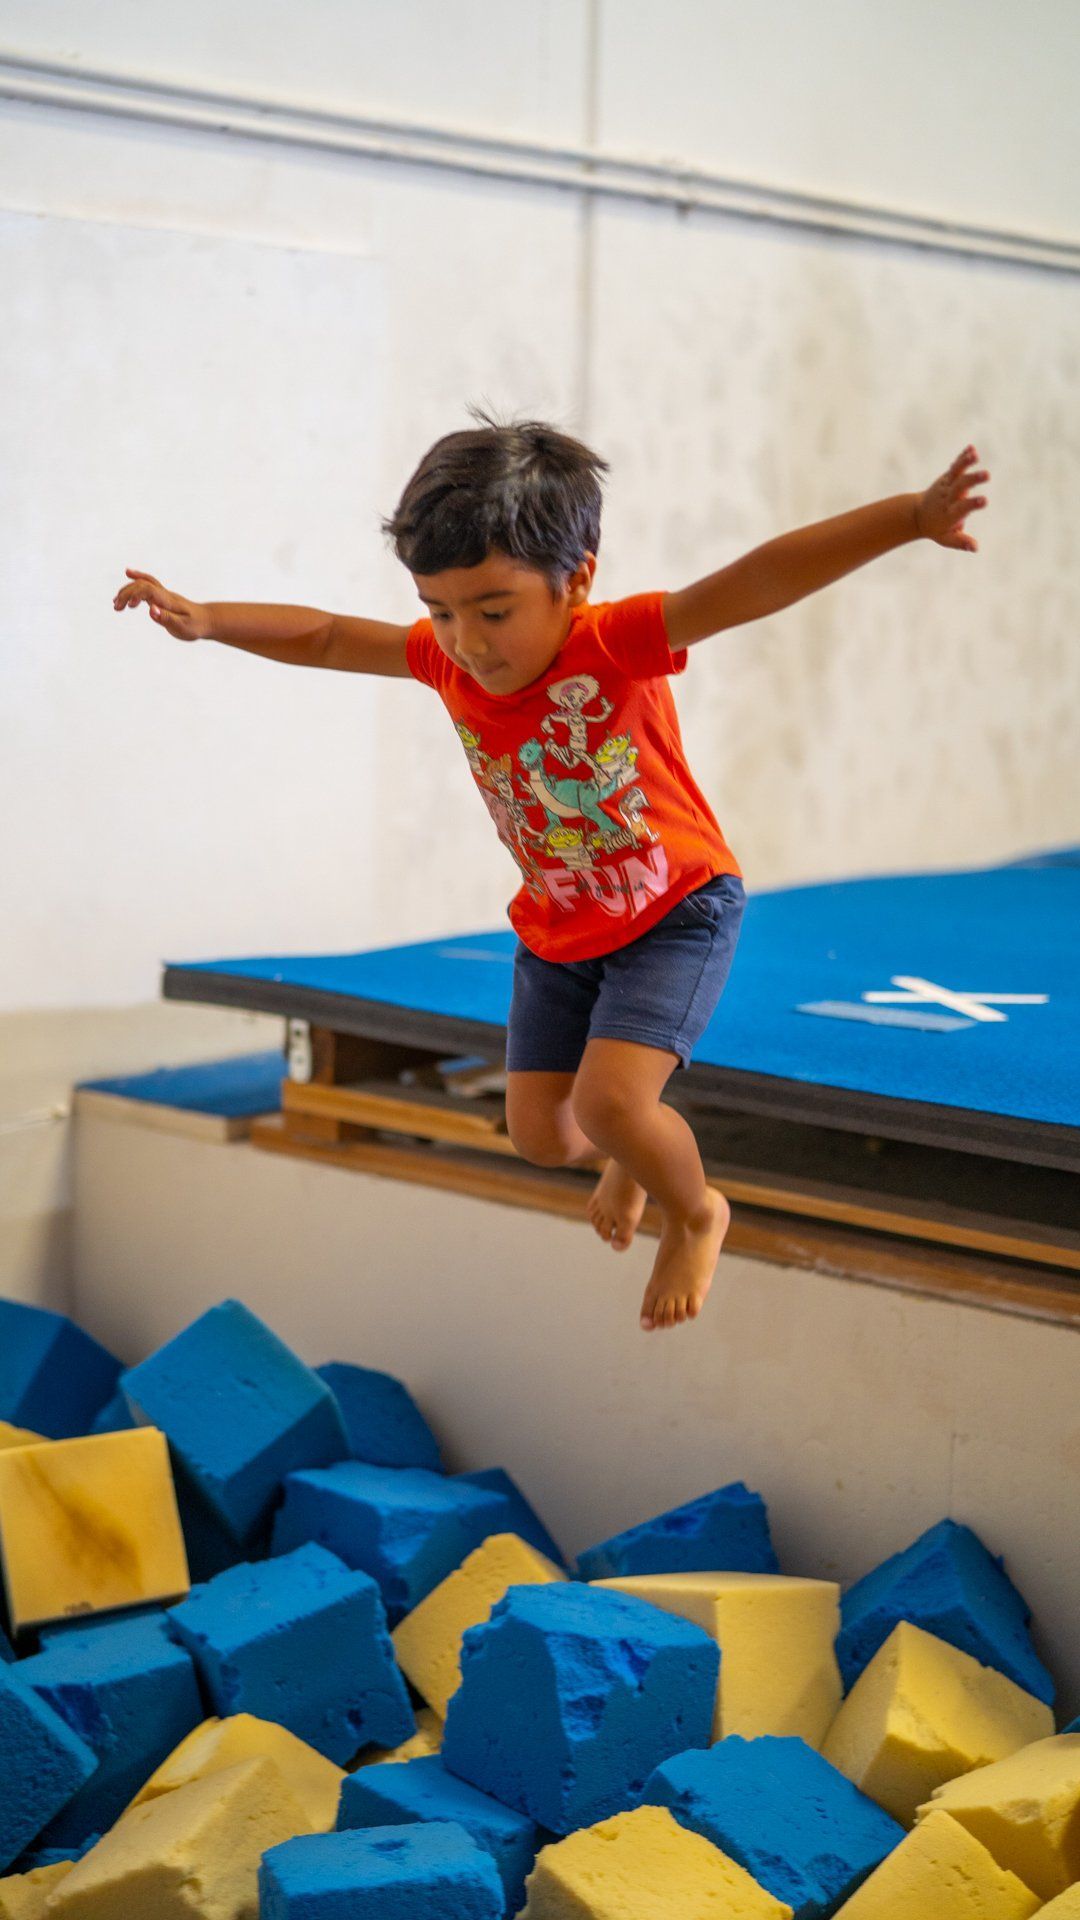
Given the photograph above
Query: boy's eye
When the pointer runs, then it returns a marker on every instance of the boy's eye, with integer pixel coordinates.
(494, 616)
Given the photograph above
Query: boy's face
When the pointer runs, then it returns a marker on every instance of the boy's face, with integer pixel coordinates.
(499, 620)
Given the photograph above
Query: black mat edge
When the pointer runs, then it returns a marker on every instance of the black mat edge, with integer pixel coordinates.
(965, 1130)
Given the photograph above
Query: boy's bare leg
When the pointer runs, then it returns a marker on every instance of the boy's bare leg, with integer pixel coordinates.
(541, 1122)
(616, 1206)
(616, 1103)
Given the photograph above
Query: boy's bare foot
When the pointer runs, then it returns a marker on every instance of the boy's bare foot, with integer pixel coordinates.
(616, 1206)
(685, 1263)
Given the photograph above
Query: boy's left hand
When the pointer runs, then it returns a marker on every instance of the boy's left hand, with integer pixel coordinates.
(940, 512)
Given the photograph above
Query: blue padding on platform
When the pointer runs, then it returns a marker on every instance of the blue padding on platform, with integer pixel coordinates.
(232, 1089)
(1001, 930)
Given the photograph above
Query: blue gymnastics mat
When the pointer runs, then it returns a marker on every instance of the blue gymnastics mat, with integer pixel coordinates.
(978, 973)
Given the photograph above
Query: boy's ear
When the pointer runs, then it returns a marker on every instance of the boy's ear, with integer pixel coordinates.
(580, 582)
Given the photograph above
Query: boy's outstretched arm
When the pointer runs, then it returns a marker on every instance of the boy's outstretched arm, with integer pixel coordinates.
(295, 636)
(787, 569)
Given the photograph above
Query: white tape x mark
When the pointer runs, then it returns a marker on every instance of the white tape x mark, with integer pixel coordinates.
(975, 1006)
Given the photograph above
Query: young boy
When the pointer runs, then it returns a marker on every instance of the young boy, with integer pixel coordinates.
(630, 898)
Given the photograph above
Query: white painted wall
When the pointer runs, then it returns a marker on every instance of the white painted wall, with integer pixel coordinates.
(862, 1415)
(742, 376)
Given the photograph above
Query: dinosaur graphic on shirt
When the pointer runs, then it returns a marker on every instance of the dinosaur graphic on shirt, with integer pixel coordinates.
(572, 799)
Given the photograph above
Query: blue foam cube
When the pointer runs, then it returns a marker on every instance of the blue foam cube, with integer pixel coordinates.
(301, 1640)
(131, 1694)
(52, 1856)
(7, 1651)
(571, 1695)
(774, 1805)
(53, 1377)
(401, 1792)
(518, 1516)
(430, 1872)
(240, 1412)
(44, 1764)
(949, 1584)
(406, 1527)
(115, 1416)
(724, 1532)
(87, 1623)
(382, 1420)
(1073, 1726)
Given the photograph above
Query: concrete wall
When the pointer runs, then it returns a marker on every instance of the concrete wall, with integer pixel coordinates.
(862, 1415)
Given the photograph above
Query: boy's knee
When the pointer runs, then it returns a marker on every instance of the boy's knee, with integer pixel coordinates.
(598, 1107)
(538, 1142)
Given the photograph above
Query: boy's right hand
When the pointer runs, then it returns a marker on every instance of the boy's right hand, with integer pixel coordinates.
(184, 619)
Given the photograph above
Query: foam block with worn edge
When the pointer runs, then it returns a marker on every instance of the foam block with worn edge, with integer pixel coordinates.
(383, 1423)
(727, 1530)
(940, 1872)
(428, 1641)
(301, 1640)
(776, 1633)
(643, 1866)
(1065, 1907)
(949, 1584)
(89, 1524)
(796, 1825)
(44, 1764)
(427, 1739)
(23, 1895)
(430, 1872)
(923, 1712)
(240, 1411)
(405, 1527)
(190, 1855)
(131, 1693)
(569, 1698)
(518, 1515)
(1025, 1810)
(53, 1376)
(215, 1744)
(390, 1795)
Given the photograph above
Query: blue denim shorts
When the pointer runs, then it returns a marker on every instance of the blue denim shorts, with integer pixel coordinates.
(660, 990)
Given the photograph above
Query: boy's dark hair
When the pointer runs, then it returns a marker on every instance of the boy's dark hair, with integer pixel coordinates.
(521, 488)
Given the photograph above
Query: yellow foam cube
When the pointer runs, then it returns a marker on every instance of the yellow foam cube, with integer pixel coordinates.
(23, 1895)
(1025, 1810)
(189, 1855)
(643, 1866)
(778, 1668)
(89, 1524)
(428, 1641)
(940, 1872)
(19, 1436)
(426, 1740)
(217, 1744)
(922, 1712)
(1065, 1907)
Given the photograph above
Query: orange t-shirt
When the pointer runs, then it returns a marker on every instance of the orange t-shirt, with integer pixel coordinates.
(584, 775)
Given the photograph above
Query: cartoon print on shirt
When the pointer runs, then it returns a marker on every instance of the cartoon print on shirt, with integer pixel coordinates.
(478, 761)
(631, 806)
(511, 819)
(572, 829)
(571, 700)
